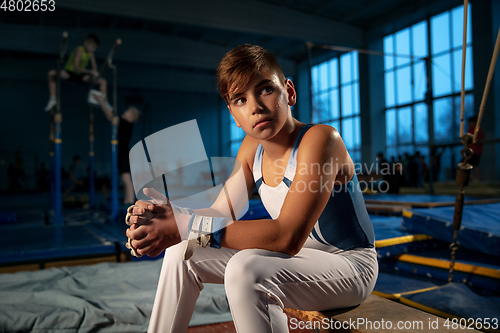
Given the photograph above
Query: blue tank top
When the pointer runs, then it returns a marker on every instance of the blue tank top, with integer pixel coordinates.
(344, 223)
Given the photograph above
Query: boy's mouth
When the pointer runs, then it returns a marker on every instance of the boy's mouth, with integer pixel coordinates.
(262, 122)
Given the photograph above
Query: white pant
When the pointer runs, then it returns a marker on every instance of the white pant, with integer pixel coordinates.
(260, 283)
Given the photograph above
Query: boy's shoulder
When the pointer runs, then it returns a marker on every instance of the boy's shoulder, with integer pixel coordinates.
(320, 138)
(321, 133)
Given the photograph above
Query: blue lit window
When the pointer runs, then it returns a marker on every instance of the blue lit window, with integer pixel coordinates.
(335, 96)
(407, 114)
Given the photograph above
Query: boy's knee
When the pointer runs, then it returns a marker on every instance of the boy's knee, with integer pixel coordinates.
(52, 74)
(175, 253)
(243, 268)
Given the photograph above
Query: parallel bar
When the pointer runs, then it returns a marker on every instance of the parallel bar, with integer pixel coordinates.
(114, 136)
(58, 215)
(52, 162)
(91, 159)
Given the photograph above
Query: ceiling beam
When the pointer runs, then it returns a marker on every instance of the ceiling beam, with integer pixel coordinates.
(324, 6)
(369, 6)
(288, 3)
(402, 17)
(248, 16)
(138, 46)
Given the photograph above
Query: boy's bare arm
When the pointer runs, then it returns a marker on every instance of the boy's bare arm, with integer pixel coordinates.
(94, 65)
(303, 205)
(238, 188)
(229, 204)
(306, 199)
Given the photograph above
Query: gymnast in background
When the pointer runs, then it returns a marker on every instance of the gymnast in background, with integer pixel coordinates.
(76, 70)
(125, 129)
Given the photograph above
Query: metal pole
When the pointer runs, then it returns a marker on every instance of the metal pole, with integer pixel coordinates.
(58, 215)
(114, 136)
(114, 152)
(91, 158)
(107, 62)
(309, 46)
(52, 163)
(430, 120)
(114, 139)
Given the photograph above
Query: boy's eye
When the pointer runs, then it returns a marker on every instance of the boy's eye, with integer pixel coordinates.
(266, 90)
(240, 101)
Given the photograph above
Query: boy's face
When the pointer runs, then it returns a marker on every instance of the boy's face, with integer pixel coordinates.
(262, 107)
(131, 116)
(89, 46)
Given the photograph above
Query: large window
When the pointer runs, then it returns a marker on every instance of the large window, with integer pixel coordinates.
(407, 101)
(335, 96)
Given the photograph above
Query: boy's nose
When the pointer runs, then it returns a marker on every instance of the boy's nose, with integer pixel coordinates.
(256, 106)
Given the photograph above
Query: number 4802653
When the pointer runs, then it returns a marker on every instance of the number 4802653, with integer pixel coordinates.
(28, 5)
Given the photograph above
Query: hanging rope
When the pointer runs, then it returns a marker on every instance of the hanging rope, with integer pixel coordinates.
(464, 168)
(464, 51)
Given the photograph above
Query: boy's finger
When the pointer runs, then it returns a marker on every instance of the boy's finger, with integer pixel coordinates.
(132, 249)
(142, 204)
(158, 197)
(138, 215)
(138, 211)
(137, 234)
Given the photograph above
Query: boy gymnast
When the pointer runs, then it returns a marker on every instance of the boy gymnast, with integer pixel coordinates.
(125, 127)
(76, 70)
(316, 253)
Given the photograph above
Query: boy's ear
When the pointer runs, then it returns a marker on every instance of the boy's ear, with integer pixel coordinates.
(292, 94)
(236, 121)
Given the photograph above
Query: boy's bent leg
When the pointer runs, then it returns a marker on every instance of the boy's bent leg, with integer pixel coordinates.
(103, 86)
(52, 74)
(260, 283)
(180, 284)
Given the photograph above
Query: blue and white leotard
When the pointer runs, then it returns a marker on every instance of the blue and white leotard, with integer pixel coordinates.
(344, 223)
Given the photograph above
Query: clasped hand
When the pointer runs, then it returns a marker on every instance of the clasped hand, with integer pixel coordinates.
(150, 236)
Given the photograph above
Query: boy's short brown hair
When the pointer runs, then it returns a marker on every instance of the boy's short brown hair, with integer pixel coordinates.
(93, 38)
(241, 64)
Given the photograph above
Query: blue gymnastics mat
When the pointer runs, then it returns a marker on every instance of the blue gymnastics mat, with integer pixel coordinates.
(475, 269)
(456, 300)
(393, 285)
(422, 200)
(392, 239)
(106, 297)
(23, 244)
(448, 300)
(480, 229)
